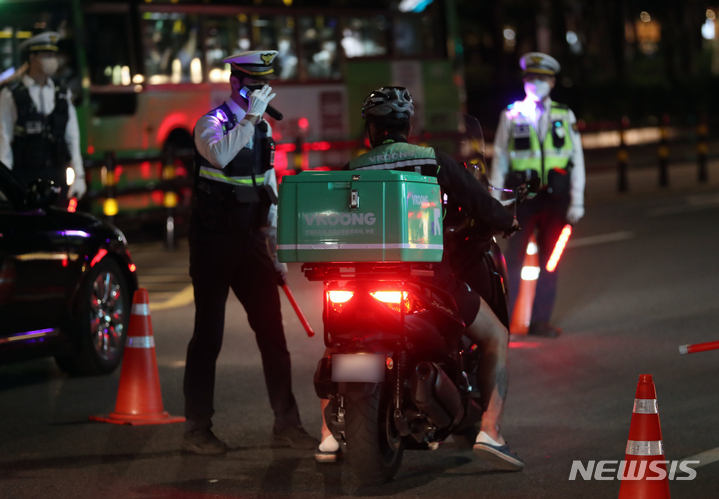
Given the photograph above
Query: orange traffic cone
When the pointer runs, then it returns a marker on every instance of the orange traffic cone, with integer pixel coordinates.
(139, 400)
(522, 313)
(639, 478)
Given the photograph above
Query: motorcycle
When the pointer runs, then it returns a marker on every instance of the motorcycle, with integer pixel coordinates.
(395, 382)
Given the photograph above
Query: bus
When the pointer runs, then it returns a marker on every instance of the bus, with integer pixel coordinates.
(143, 72)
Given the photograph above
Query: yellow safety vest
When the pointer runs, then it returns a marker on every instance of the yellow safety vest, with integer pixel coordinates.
(527, 154)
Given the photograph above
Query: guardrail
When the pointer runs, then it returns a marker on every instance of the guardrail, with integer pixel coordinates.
(302, 155)
(169, 184)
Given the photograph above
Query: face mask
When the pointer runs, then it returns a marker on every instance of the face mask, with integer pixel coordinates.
(536, 90)
(49, 66)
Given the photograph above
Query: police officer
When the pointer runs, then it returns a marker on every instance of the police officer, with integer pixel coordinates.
(39, 133)
(233, 245)
(538, 138)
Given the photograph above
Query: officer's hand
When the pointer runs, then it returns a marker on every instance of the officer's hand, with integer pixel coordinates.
(575, 214)
(78, 188)
(280, 268)
(514, 228)
(259, 100)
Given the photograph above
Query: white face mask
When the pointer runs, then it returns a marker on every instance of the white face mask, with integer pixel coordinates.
(536, 90)
(49, 66)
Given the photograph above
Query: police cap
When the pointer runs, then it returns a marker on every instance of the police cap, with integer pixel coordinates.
(538, 63)
(256, 64)
(46, 41)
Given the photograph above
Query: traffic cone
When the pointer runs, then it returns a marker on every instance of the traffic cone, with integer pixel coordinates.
(644, 447)
(522, 313)
(139, 400)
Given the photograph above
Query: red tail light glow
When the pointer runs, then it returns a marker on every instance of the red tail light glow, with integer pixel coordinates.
(72, 205)
(338, 296)
(389, 296)
(132, 267)
(100, 255)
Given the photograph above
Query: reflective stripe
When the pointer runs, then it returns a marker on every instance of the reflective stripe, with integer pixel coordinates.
(645, 406)
(399, 164)
(333, 246)
(140, 309)
(140, 342)
(218, 176)
(654, 448)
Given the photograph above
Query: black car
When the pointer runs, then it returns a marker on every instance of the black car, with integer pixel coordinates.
(66, 282)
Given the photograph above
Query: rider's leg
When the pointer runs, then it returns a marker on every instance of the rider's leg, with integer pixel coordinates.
(325, 431)
(492, 338)
(326, 445)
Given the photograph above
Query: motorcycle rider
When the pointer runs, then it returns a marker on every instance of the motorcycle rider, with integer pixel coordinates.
(387, 112)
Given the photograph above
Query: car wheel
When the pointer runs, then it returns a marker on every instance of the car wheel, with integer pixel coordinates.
(100, 329)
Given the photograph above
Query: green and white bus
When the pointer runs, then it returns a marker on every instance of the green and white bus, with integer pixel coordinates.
(143, 72)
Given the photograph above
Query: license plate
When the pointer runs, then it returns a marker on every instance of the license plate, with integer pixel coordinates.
(358, 368)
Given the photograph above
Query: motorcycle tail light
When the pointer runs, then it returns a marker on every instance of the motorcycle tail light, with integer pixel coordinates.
(338, 296)
(394, 300)
(394, 297)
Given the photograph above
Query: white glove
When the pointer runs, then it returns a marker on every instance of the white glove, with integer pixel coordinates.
(78, 188)
(575, 214)
(259, 100)
(280, 268)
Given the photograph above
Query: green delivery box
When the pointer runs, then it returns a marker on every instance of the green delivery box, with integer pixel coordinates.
(359, 216)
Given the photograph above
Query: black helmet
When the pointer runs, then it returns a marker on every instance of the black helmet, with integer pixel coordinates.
(390, 105)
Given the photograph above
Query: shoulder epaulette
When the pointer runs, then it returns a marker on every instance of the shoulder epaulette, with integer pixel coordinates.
(557, 105)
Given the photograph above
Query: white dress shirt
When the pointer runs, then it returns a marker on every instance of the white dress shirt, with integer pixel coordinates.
(219, 149)
(44, 99)
(538, 115)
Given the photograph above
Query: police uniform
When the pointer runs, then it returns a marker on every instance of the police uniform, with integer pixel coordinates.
(232, 246)
(539, 138)
(39, 132)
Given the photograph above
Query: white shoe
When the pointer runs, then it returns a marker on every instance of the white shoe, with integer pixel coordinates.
(499, 455)
(328, 451)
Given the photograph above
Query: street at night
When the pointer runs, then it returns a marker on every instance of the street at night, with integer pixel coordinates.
(500, 218)
(639, 278)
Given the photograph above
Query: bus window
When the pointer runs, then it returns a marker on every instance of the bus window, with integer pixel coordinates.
(172, 54)
(414, 35)
(318, 37)
(277, 33)
(108, 56)
(365, 37)
(225, 36)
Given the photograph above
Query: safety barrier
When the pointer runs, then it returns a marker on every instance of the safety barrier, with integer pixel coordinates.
(172, 187)
(683, 142)
(168, 186)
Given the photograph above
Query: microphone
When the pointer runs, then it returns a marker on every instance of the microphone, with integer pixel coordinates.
(274, 113)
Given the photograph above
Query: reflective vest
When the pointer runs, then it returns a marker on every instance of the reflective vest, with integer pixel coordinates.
(38, 146)
(236, 196)
(398, 156)
(528, 155)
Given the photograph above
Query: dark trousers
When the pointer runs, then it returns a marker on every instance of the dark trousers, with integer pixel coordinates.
(544, 216)
(218, 262)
